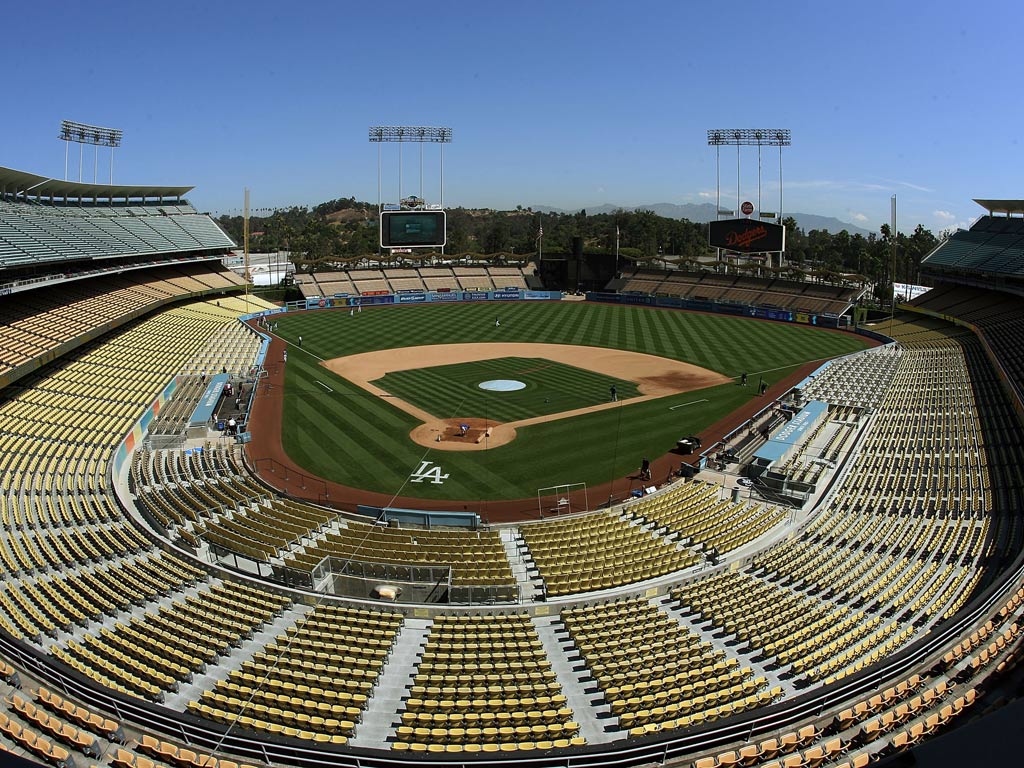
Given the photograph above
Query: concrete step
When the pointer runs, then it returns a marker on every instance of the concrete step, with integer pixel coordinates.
(382, 711)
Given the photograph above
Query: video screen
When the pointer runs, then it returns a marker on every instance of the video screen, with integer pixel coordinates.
(412, 229)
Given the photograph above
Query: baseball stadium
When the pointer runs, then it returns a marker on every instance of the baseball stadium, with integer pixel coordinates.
(687, 518)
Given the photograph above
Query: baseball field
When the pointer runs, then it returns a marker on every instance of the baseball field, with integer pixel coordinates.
(381, 399)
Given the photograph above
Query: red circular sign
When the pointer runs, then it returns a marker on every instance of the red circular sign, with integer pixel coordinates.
(323, 302)
(747, 208)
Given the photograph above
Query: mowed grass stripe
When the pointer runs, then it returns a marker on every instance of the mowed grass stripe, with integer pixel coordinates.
(666, 332)
(647, 338)
(360, 440)
(581, 329)
(453, 390)
(348, 400)
(526, 322)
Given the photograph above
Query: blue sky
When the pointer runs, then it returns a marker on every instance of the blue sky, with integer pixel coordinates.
(570, 104)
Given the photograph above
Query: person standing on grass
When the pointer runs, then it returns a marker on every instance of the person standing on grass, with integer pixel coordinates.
(300, 341)
(614, 392)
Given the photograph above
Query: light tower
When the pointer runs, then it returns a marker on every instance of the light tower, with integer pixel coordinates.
(411, 223)
(400, 134)
(82, 134)
(747, 137)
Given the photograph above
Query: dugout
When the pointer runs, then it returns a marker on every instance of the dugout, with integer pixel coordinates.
(203, 413)
(788, 438)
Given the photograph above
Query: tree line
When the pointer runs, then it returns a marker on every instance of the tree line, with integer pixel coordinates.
(345, 231)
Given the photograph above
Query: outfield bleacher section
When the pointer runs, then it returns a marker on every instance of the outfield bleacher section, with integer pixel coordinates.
(812, 298)
(397, 280)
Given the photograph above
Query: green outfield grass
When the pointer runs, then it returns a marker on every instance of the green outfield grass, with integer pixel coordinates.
(453, 390)
(335, 429)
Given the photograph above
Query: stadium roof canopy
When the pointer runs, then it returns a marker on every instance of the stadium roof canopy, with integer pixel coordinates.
(32, 185)
(1001, 206)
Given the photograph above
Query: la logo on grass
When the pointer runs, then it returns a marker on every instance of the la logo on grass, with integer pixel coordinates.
(433, 475)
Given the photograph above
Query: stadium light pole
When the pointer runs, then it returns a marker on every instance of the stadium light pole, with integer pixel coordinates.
(400, 134)
(892, 271)
(739, 199)
(423, 134)
(758, 134)
(82, 134)
(747, 137)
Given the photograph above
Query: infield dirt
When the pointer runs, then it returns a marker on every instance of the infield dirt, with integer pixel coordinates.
(654, 376)
(277, 469)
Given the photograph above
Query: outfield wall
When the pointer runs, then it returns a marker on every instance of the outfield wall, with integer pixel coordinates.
(743, 310)
(348, 300)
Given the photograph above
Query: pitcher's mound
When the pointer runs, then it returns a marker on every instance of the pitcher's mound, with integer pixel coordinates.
(463, 434)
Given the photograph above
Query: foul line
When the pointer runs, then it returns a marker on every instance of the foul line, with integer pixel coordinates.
(323, 385)
(805, 362)
(692, 402)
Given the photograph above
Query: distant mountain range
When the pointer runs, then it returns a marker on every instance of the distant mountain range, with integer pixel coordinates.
(704, 212)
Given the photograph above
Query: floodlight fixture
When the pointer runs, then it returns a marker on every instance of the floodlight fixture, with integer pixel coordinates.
(750, 137)
(82, 134)
(402, 134)
(417, 133)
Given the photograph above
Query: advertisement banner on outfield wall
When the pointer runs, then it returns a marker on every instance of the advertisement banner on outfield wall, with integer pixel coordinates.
(699, 304)
(769, 314)
(410, 298)
(734, 309)
(319, 303)
(368, 300)
(636, 298)
(541, 295)
(475, 296)
(504, 295)
(444, 296)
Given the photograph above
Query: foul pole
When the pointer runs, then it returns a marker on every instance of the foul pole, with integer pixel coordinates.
(245, 246)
